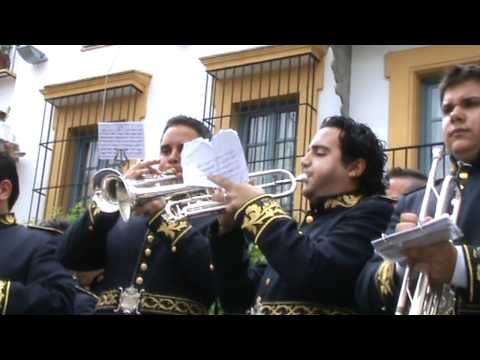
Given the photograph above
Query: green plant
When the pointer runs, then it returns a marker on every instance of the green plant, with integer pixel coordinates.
(256, 255)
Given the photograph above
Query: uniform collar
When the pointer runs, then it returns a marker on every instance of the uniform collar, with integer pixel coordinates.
(7, 219)
(345, 200)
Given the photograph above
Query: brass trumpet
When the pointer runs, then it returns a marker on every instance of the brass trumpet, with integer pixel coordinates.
(427, 299)
(196, 206)
(114, 192)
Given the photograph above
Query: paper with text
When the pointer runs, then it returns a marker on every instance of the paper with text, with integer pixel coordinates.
(224, 156)
(115, 138)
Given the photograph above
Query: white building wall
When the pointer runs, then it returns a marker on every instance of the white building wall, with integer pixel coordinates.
(369, 89)
(177, 87)
(329, 103)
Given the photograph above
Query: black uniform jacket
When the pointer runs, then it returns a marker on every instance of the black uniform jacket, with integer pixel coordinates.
(378, 285)
(32, 281)
(166, 263)
(312, 268)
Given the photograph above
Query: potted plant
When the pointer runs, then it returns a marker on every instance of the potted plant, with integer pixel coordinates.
(5, 56)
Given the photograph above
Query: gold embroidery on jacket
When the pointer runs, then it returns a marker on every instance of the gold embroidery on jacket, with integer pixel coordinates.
(346, 201)
(384, 278)
(259, 214)
(174, 229)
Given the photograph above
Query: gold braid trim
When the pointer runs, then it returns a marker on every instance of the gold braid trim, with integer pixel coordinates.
(385, 279)
(108, 300)
(4, 294)
(260, 214)
(93, 211)
(471, 287)
(292, 308)
(8, 219)
(154, 304)
(174, 230)
(346, 201)
(155, 217)
(170, 305)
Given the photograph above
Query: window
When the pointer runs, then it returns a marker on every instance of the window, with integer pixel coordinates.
(431, 125)
(85, 165)
(408, 72)
(268, 134)
(270, 95)
(67, 156)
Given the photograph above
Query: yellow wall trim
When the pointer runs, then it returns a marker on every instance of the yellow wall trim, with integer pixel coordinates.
(406, 69)
(138, 79)
(263, 53)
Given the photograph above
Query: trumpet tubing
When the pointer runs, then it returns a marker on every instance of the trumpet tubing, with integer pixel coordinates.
(427, 299)
(191, 207)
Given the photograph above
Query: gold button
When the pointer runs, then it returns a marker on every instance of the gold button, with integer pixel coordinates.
(212, 267)
(90, 227)
(150, 238)
(268, 281)
(139, 280)
(143, 267)
(309, 219)
(463, 175)
(148, 252)
(174, 248)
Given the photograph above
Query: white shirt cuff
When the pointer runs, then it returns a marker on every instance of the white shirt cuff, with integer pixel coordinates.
(459, 278)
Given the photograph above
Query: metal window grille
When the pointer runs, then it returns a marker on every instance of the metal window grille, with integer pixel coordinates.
(272, 106)
(67, 155)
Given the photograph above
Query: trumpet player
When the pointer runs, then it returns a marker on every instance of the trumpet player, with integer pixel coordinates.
(151, 266)
(312, 266)
(445, 263)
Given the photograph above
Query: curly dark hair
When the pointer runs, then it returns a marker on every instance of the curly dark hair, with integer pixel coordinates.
(358, 141)
(457, 75)
(190, 122)
(8, 171)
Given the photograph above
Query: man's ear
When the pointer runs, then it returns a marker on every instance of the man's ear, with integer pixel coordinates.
(356, 168)
(5, 190)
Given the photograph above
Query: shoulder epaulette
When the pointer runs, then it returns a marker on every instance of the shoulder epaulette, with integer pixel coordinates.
(45, 228)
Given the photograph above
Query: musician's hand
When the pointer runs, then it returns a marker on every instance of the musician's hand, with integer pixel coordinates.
(409, 220)
(150, 207)
(437, 260)
(238, 194)
(142, 168)
(225, 219)
(85, 278)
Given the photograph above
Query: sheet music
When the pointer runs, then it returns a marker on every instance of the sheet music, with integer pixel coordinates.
(126, 138)
(441, 229)
(224, 156)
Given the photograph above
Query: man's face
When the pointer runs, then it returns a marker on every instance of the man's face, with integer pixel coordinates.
(461, 121)
(326, 174)
(5, 193)
(397, 186)
(171, 147)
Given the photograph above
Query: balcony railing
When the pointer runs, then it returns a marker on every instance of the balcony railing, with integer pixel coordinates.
(417, 157)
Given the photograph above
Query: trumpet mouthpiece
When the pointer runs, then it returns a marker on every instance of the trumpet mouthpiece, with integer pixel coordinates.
(301, 178)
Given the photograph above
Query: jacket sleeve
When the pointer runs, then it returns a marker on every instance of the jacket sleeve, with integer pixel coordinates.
(236, 277)
(84, 245)
(303, 260)
(47, 289)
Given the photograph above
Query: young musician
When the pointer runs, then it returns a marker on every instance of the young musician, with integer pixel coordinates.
(312, 266)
